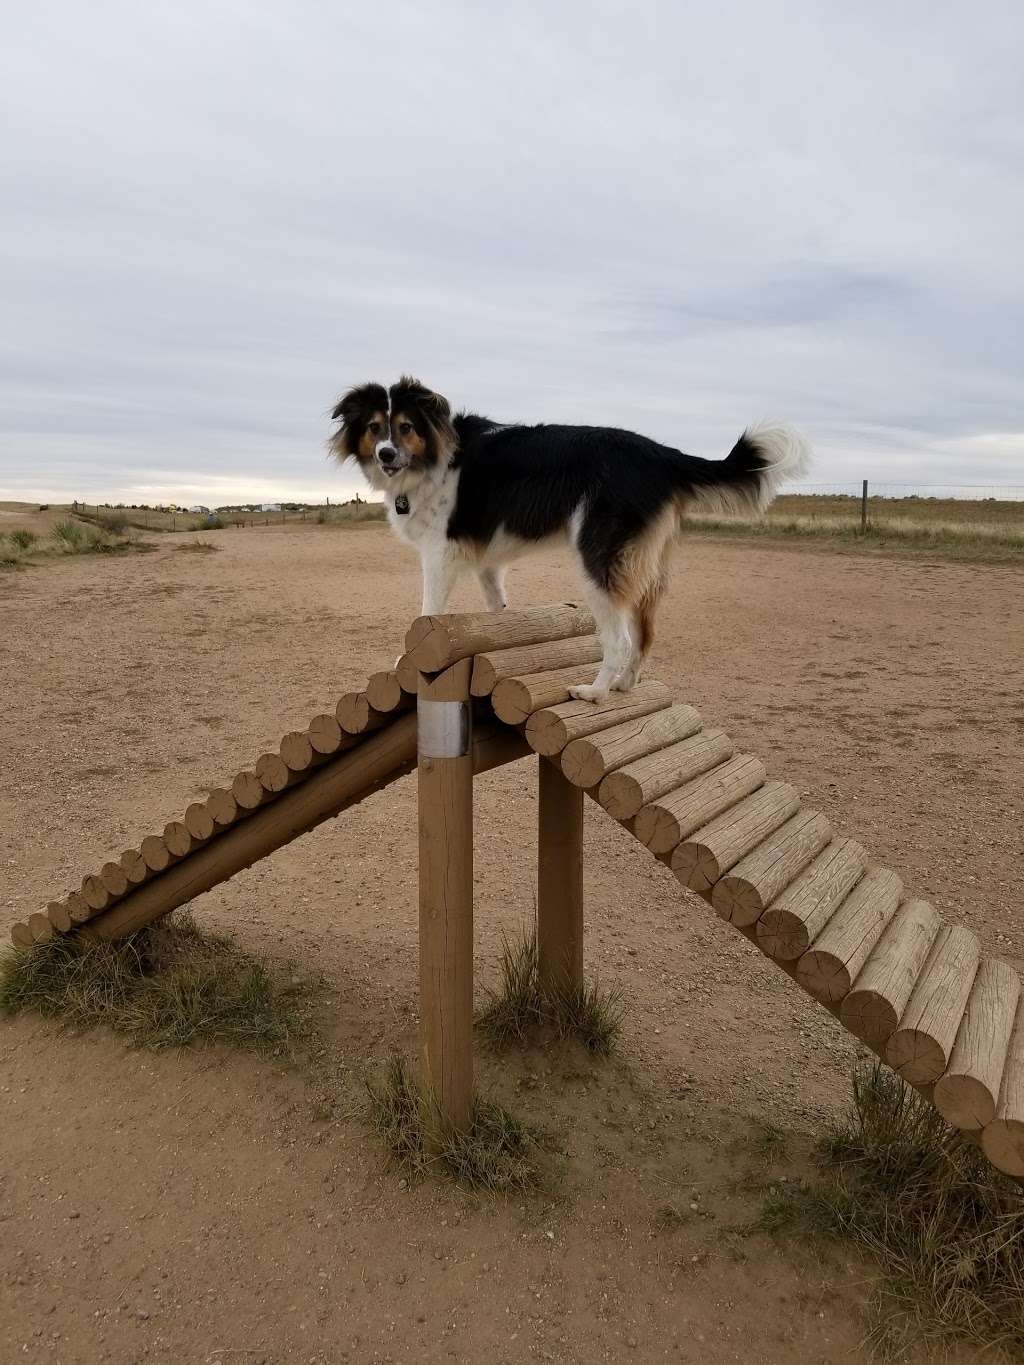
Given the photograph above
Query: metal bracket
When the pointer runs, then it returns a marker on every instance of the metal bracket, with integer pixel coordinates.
(442, 728)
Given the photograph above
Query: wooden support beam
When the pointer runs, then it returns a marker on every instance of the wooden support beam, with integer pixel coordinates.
(559, 880)
(445, 765)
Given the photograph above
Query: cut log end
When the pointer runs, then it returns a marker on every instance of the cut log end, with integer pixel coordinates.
(384, 691)
(737, 901)
(273, 772)
(154, 853)
(656, 828)
(114, 878)
(325, 734)
(1002, 1141)
(247, 790)
(222, 806)
(964, 1101)
(824, 976)
(95, 894)
(915, 1056)
(199, 822)
(868, 1016)
(781, 936)
(296, 752)
(353, 713)
(59, 916)
(177, 838)
(134, 866)
(21, 936)
(40, 928)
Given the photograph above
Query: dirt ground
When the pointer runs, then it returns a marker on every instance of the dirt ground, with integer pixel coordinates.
(211, 1207)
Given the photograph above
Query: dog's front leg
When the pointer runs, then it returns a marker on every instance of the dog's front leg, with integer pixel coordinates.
(492, 582)
(440, 572)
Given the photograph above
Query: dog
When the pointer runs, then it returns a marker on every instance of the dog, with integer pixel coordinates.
(469, 492)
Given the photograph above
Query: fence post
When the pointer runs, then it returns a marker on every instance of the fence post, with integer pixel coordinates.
(559, 880)
(445, 768)
(864, 506)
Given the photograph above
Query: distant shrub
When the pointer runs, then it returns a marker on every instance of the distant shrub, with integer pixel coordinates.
(114, 523)
(212, 523)
(71, 534)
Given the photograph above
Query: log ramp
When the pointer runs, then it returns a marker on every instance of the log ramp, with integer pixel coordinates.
(919, 993)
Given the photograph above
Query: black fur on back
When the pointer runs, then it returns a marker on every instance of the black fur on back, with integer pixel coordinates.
(529, 480)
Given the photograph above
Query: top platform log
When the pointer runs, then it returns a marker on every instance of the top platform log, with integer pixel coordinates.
(436, 642)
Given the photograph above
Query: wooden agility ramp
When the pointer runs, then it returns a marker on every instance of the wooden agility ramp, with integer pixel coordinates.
(474, 691)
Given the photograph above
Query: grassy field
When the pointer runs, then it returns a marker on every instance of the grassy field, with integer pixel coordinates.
(986, 530)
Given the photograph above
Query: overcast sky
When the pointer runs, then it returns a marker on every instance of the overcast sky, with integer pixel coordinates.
(677, 218)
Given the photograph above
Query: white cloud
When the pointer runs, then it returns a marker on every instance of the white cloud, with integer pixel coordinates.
(671, 218)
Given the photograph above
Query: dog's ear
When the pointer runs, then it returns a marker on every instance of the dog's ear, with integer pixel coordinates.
(434, 411)
(353, 411)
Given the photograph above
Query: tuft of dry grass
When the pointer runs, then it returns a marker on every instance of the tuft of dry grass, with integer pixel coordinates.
(202, 547)
(946, 1229)
(520, 1008)
(499, 1154)
(169, 985)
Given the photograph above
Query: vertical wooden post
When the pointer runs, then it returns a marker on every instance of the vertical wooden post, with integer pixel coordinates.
(445, 762)
(864, 506)
(559, 879)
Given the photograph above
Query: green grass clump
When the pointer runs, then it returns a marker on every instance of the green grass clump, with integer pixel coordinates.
(521, 1007)
(170, 984)
(498, 1154)
(212, 523)
(23, 539)
(946, 1229)
(78, 538)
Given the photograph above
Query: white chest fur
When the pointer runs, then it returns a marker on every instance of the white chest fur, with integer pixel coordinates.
(431, 502)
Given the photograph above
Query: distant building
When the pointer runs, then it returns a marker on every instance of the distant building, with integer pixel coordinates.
(270, 507)
(200, 508)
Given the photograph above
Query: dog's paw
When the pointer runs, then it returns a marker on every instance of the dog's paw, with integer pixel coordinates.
(589, 692)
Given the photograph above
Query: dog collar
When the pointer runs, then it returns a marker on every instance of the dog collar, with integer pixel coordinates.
(402, 505)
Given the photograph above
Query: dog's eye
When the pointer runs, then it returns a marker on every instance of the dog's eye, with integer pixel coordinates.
(404, 428)
(374, 428)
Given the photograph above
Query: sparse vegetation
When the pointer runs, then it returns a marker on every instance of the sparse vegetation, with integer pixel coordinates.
(986, 530)
(23, 539)
(203, 547)
(76, 538)
(212, 523)
(499, 1154)
(946, 1228)
(520, 1008)
(170, 984)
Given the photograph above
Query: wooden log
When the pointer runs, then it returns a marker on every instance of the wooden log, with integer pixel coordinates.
(493, 667)
(248, 791)
(177, 838)
(435, 642)
(744, 893)
(356, 716)
(40, 928)
(708, 854)
(21, 936)
(921, 1047)
(381, 759)
(77, 908)
(274, 773)
(297, 751)
(559, 881)
(788, 927)
(671, 817)
(830, 966)
(445, 777)
(199, 822)
(134, 866)
(658, 779)
(588, 760)
(325, 735)
(155, 853)
(884, 984)
(968, 1094)
(94, 893)
(223, 807)
(1002, 1138)
(113, 877)
(495, 744)
(408, 674)
(550, 727)
(385, 693)
(58, 915)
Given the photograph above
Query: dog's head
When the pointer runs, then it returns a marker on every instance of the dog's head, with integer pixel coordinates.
(390, 431)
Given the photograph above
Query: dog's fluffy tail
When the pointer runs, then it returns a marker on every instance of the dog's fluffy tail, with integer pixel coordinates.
(765, 457)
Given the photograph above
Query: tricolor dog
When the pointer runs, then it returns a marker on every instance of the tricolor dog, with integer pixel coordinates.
(471, 493)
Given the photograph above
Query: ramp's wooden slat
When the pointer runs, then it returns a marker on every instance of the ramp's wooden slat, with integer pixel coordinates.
(967, 1095)
(436, 642)
(587, 759)
(708, 854)
(497, 664)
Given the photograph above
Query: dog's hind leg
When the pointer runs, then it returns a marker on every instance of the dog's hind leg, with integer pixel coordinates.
(613, 621)
(492, 582)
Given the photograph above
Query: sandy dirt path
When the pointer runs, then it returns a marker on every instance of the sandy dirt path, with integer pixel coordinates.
(209, 1207)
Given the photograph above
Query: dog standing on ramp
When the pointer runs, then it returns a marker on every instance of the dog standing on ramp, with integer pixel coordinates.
(468, 492)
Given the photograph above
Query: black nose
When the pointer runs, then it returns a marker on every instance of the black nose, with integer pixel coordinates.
(386, 455)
